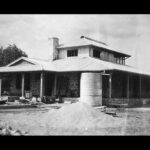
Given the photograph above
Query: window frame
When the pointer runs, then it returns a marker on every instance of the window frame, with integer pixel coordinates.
(97, 51)
(72, 52)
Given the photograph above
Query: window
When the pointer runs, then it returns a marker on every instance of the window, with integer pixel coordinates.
(120, 60)
(96, 53)
(123, 60)
(71, 53)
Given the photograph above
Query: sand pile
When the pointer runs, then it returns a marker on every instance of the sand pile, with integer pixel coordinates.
(78, 116)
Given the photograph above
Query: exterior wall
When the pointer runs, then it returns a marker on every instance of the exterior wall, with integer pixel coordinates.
(62, 54)
(71, 88)
(107, 56)
(86, 52)
(104, 55)
(91, 52)
(82, 52)
(74, 82)
(70, 99)
(34, 85)
(13, 90)
(124, 102)
(111, 58)
(119, 85)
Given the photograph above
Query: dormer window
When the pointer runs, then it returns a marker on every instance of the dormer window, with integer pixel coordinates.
(72, 53)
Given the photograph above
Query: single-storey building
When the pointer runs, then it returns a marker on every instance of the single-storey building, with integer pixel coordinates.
(87, 70)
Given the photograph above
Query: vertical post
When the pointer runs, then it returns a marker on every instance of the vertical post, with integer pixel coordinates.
(140, 86)
(128, 91)
(22, 85)
(0, 85)
(41, 85)
(110, 85)
(55, 84)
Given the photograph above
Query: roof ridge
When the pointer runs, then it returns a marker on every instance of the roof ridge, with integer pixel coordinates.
(38, 59)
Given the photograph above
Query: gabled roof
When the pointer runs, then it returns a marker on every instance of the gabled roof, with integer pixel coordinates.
(21, 58)
(21, 69)
(72, 64)
(85, 42)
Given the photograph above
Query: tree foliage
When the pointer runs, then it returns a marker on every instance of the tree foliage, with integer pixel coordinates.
(9, 54)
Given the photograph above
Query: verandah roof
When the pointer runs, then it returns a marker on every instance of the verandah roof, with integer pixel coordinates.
(71, 64)
(21, 68)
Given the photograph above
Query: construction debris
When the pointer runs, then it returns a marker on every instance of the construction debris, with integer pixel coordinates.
(110, 112)
(8, 131)
(107, 111)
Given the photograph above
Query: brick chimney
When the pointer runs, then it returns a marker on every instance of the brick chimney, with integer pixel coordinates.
(54, 41)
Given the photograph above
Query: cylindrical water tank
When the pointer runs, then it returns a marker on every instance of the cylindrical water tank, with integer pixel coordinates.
(91, 88)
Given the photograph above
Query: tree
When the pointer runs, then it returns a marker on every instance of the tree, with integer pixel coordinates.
(9, 54)
(1, 56)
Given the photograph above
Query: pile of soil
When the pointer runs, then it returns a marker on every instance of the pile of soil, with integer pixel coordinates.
(78, 116)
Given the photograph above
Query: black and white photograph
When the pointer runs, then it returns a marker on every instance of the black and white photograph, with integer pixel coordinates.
(74, 74)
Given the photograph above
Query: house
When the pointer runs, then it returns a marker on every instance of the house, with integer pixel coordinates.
(86, 70)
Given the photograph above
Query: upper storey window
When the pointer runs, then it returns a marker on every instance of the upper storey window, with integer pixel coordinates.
(96, 53)
(120, 60)
(72, 53)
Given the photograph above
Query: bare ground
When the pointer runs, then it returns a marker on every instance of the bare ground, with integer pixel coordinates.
(78, 119)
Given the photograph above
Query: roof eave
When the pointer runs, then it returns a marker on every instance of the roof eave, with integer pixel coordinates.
(125, 55)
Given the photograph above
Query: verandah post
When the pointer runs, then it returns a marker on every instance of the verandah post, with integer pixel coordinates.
(0, 85)
(41, 85)
(22, 85)
(110, 85)
(55, 84)
(128, 91)
(140, 86)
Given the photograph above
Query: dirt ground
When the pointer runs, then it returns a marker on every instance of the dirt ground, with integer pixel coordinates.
(78, 119)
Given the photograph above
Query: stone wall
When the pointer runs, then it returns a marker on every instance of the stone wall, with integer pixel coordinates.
(13, 90)
(133, 102)
(34, 85)
(74, 84)
(72, 87)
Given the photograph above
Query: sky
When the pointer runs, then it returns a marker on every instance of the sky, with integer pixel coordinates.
(127, 33)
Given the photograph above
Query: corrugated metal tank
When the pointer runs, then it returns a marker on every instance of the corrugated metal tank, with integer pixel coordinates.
(91, 88)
